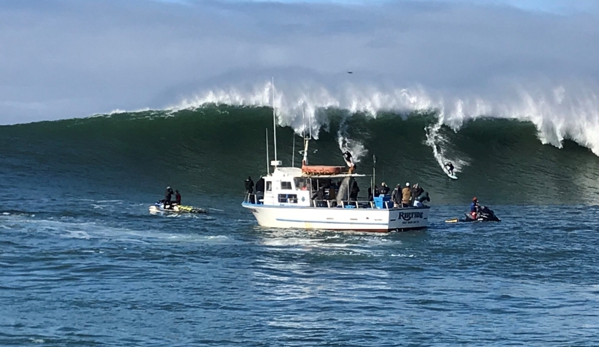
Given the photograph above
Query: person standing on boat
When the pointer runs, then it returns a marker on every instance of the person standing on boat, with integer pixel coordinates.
(177, 197)
(396, 196)
(318, 197)
(384, 189)
(249, 185)
(406, 194)
(332, 192)
(260, 185)
(416, 191)
(167, 197)
(353, 195)
(419, 201)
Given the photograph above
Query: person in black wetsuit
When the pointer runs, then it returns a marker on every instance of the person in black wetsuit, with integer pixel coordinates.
(249, 190)
(348, 160)
(167, 197)
(249, 185)
(384, 190)
(353, 195)
(449, 167)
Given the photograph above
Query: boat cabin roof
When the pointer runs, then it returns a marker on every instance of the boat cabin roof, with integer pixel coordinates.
(291, 172)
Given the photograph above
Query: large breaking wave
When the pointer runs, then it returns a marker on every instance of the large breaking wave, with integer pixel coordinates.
(561, 112)
(207, 144)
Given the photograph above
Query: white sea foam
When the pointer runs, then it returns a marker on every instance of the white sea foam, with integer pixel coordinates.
(565, 111)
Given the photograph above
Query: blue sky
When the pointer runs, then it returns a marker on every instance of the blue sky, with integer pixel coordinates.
(74, 58)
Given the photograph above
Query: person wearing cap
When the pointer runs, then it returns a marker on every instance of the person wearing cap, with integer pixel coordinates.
(167, 197)
(406, 194)
(474, 208)
(416, 191)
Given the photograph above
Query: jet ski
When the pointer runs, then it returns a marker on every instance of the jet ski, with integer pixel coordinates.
(158, 207)
(485, 214)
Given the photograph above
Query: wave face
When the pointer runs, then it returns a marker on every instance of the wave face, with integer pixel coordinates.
(211, 149)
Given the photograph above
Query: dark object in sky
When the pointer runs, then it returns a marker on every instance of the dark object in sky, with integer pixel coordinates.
(350, 72)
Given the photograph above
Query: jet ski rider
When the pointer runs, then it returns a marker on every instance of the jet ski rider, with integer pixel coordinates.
(474, 208)
(177, 197)
(167, 197)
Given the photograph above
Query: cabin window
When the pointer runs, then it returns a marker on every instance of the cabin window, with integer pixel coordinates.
(288, 198)
(269, 186)
(302, 183)
(286, 185)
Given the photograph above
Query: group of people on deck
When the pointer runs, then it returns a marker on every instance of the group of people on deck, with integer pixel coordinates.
(168, 197)
(402, 197)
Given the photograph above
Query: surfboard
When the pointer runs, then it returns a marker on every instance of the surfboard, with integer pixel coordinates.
(453, 177)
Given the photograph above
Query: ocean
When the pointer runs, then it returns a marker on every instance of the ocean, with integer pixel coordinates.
(85, 264)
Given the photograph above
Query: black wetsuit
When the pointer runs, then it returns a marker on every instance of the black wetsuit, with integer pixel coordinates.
(167, 198)
(384, 190)
(249, 185)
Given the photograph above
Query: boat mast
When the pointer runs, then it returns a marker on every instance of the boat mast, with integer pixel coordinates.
(306, 138)
(373, 184)
(267, 160)
(274, 122)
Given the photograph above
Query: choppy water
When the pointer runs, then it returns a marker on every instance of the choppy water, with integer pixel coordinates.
(84, 264)
(116, 276)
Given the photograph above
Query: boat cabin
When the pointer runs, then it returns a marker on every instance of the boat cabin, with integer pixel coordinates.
(298, 187)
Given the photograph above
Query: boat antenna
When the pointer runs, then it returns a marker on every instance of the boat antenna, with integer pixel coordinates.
(267, 160)
(274, 119)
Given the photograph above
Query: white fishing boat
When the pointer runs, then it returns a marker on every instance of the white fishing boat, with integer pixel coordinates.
(320, 197)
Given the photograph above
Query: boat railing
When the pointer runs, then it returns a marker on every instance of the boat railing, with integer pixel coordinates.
(343, 203)
(258, 199)
(254, 198)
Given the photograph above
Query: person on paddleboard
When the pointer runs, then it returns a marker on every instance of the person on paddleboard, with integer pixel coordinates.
(449, 167)
(177, 197)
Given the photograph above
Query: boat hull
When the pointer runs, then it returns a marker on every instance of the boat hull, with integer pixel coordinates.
(360, 219)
